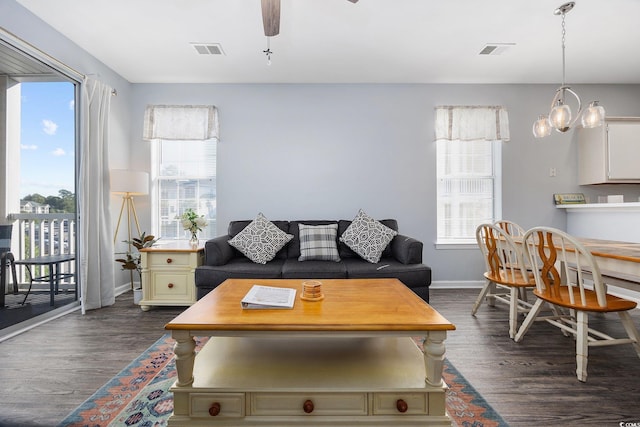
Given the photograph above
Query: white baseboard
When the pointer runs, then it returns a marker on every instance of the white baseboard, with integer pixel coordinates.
(456, 284)
(121, 289)
(125, 287)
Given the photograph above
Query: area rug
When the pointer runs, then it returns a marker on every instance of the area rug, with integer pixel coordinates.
(139, 395)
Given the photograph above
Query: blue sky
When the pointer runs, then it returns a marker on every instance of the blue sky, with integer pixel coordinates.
(47, 160)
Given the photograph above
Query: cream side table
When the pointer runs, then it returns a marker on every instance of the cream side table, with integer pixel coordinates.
(168, 274)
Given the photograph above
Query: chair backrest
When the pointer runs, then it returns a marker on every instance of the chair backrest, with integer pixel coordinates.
(510, 227)
(560, 262)
(503, 257)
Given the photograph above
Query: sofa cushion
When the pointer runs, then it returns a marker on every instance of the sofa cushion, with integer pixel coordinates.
(294, 269)
(344, 250)
(367, 237)
(293, 248)
(261, 240)
(236, 227)
(208, 277)
(318, 242)
(412, 275)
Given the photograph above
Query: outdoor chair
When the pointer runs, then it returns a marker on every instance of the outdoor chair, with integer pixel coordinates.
(559, 262)
(6, 260)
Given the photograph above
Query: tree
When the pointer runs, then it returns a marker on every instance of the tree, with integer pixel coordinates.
(68, 200)
(64, 202)
(38, 198)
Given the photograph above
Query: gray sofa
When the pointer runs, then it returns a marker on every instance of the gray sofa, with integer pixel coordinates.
(402, 259)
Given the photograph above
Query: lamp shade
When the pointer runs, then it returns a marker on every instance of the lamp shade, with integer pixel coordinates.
(131, 182)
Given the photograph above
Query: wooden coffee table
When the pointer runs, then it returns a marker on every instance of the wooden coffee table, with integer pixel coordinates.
(348, 360)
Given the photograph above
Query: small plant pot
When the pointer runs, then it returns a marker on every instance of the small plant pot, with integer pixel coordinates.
(137, 295)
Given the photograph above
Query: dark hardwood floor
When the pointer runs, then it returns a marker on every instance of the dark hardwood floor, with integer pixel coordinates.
(48, 371)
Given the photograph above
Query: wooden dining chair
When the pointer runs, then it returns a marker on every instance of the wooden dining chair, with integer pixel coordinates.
(559, 262)
(511, 228)
(506, 273)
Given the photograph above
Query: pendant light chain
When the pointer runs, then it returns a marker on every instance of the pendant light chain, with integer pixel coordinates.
(564, 33)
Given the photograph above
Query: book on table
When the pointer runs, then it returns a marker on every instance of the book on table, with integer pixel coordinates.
(269, 297)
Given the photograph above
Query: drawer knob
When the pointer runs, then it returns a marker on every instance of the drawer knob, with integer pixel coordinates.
(214, 409)
(402, 406)
(170, 285)
(169, 260)
(307, 407)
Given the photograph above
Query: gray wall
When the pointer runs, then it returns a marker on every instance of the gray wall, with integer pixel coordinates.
(323, 151)
(23, 24)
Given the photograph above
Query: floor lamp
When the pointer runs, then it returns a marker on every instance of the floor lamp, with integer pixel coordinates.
(129, 184)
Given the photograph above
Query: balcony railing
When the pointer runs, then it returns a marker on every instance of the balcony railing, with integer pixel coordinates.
(44, 234)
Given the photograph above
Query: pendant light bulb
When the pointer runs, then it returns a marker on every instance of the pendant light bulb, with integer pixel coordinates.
(593, 116)
(542, 127)
(560, 117)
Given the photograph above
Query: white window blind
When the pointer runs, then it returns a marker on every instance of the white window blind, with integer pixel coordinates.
(468, 170)
(185, 179)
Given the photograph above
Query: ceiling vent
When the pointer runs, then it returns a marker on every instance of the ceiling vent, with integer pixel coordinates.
(208, 48)
(495, 48)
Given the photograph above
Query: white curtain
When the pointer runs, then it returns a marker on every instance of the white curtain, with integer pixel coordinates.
(96, 244)
(472, 123)
(181, 122)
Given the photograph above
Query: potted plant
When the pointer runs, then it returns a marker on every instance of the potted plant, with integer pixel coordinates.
(132, 258)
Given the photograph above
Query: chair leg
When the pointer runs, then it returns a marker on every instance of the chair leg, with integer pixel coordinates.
(491, 299)
(513, 312)
(480, 298)
(523, 294)
(631, 329)
(582, 345)
(528, 321)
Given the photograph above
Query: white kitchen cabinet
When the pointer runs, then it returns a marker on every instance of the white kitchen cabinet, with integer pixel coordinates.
(611, 153)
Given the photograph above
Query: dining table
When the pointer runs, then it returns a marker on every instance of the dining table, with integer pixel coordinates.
(619, 261)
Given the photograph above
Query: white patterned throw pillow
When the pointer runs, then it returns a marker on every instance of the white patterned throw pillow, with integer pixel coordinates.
(261, 240)
(318, 242)
(367, 237)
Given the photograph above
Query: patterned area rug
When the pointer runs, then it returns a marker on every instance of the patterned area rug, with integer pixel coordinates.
(139, 395)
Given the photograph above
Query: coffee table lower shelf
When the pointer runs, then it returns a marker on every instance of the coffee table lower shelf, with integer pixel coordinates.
(285, 381)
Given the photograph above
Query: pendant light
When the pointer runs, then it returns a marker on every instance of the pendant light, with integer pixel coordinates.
(560, 117)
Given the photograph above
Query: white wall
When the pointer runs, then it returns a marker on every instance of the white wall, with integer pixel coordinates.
(323, 151)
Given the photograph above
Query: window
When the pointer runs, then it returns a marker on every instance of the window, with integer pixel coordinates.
(468, 147)
(468, 192)
(184, 178)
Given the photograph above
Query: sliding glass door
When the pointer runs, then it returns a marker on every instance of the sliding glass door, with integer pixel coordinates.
(38, 166)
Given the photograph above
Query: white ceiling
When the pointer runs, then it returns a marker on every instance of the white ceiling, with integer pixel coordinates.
(372, 41)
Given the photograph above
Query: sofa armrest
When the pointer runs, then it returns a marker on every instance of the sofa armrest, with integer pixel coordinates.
(406, 249)
(218, 251)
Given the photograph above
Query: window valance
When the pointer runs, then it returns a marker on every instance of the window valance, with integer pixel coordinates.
(469, 123)
(181, 122)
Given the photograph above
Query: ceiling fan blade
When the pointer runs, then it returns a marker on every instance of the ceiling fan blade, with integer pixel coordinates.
(271, 17)
(353, 1)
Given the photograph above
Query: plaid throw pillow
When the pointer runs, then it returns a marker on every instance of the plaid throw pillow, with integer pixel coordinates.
(318, 242)
(261, 240)
(367, 237)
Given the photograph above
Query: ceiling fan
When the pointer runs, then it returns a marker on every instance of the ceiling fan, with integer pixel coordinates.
(271, 16)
